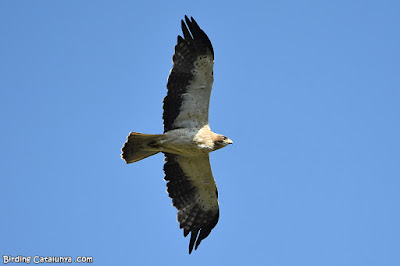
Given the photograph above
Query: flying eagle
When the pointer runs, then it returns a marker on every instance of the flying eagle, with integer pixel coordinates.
(187, 139)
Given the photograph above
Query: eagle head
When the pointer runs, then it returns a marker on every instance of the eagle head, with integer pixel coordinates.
(221, 141)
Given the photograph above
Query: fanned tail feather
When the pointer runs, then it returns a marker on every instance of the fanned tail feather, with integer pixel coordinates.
(139, 146)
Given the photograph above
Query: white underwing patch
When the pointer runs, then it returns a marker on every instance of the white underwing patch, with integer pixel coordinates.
(195, 102)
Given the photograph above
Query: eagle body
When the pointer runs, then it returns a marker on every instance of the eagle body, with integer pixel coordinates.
(191, 141)
(187, 139)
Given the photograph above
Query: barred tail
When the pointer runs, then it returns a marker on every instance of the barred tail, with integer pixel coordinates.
(139, 146)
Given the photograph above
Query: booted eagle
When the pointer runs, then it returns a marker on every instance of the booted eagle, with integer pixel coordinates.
(187, 138)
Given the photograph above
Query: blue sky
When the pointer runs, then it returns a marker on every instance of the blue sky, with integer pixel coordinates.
(308, 91)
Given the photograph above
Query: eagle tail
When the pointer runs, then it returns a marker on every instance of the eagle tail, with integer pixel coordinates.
(139, 146)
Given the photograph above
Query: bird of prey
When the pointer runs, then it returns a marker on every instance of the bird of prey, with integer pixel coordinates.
(187, 139)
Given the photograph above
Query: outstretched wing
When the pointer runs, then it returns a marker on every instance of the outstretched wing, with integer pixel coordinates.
(190, 81)
(194, 193)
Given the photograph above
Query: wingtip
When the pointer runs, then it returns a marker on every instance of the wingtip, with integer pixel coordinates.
(191, 247)
(185, 232)
(193, 31)
(189, 21)
(186, 18)
(194, 242)
(193, 21)
(193, 238)
(197, 243)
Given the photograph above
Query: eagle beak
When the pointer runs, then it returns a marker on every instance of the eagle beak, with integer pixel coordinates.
(229, 141)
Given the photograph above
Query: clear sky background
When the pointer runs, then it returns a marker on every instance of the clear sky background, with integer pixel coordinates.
(308, 91)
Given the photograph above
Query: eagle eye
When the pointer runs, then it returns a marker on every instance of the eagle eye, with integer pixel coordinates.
(223, 140)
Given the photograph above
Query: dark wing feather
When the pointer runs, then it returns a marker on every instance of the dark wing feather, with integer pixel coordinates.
(194, 193)
(190, 81)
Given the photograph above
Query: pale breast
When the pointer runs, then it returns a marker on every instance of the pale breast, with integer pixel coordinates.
(188, 141)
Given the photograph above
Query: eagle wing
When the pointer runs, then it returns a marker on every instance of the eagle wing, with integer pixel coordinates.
(190, 81)
(192, 188)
